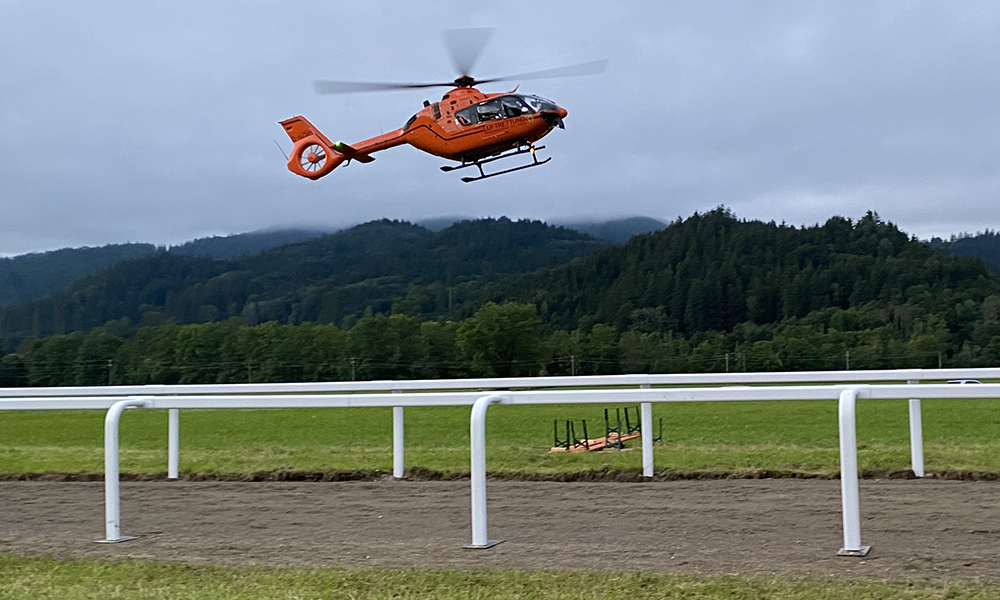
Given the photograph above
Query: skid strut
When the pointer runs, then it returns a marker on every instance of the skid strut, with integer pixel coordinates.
(479, 164)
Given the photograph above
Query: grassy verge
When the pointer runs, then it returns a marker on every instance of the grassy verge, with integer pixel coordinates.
(36, 578)
(721, 437)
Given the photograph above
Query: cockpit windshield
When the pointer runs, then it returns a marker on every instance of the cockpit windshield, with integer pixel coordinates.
(503, 107)
(537, 103)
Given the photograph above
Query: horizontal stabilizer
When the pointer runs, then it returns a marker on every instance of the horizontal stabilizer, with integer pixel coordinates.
(351, 152)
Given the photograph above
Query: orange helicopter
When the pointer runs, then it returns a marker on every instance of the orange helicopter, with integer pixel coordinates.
(467, 126)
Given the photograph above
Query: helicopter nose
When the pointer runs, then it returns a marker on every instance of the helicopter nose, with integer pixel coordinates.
(555, 117)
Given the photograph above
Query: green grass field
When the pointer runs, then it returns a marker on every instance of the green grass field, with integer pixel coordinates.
(726, 437)
(39, 578)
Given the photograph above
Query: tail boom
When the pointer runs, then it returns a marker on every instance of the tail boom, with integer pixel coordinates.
(314, 155)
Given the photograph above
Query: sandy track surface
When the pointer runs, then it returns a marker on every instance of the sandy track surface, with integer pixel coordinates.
(917, 528)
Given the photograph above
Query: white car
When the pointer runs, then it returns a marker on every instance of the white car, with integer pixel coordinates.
(964, 381)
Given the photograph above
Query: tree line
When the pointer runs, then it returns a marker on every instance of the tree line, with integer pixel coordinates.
(498, 340)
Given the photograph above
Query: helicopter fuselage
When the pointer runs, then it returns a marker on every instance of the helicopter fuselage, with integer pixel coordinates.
(466, 125)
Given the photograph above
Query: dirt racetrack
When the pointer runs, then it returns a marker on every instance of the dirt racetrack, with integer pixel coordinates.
(921, 528)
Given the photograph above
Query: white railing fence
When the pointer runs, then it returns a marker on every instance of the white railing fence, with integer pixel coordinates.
(102, 397)
(631, 389)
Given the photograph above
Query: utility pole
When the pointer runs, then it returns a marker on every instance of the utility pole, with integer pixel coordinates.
(111, 372)
(727, 362)
(249, 372)
(847, 359)
(939, 359)
(353, 363)
(572, 364)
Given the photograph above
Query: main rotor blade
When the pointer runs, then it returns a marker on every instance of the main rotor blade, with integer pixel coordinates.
(324, 86)
(588, 68)
(465, 46)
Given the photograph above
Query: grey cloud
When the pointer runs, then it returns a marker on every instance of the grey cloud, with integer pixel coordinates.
(154, 122)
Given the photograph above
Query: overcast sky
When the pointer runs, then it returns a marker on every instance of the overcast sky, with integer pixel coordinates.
(141, 121)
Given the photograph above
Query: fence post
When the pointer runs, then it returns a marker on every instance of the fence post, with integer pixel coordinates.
(850, 501)
(477, 431)
(173, 442)
(916, 435)
(112, 500)
(646, 424)
(398, 464)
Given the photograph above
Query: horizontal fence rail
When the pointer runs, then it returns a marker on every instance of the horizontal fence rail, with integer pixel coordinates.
(506, 383)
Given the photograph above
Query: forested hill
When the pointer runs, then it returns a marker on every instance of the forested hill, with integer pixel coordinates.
(985, 246)
(34, 275)
(324, 279)
(713, 272)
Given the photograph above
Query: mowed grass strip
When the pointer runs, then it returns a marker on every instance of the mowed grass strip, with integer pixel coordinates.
(38, 578)
(718, 437)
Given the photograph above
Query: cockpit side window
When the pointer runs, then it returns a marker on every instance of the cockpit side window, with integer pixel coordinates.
(467, 116)
(493, 109)
(489, 110)
(514, 106)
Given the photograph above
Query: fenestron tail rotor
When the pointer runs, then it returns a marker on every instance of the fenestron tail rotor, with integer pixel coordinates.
(465, 47)
(313, 158)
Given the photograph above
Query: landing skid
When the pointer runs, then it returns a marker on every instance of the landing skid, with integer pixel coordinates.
(479, 164)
